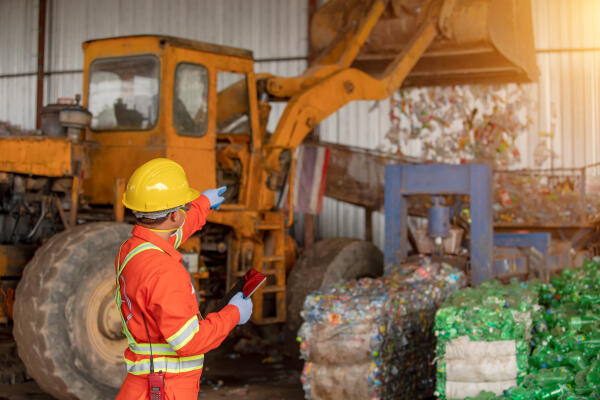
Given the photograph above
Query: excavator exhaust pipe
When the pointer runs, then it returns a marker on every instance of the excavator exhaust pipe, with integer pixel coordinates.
(478, 41)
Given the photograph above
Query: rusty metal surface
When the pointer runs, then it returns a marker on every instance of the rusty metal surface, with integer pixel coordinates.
(357, 176)
(187, 43)
(13, 258)
(12, 261)
(38, 155)
(496, 45)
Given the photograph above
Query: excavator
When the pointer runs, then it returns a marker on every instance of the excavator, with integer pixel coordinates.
(203, 105)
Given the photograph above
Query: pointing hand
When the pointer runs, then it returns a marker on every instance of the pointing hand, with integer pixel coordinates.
(215, 197)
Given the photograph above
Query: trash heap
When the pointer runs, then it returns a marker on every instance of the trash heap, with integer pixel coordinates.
(483, 338)
(526, 198)
(373, 338)
(456, 124)
(564, 361)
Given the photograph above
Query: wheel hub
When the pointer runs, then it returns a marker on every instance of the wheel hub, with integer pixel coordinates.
(109, 320)
(104, 323)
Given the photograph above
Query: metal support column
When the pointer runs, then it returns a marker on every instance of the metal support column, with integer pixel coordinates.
(474, 180)
(40, 62)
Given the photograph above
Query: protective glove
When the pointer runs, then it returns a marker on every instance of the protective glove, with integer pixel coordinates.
(244, 305)
(214, 196)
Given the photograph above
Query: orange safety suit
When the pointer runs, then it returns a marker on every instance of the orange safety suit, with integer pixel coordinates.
(152, 280)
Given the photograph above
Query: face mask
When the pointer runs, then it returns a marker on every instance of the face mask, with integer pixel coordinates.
(183, 223)
(172, 230)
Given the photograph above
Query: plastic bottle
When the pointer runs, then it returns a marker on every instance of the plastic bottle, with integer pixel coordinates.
(575, 360)
(521, 393)
(544, 357)
(580, 322)
(573, 396)
(483, 396)
(593, 375)
(546, 378)
(554, 392)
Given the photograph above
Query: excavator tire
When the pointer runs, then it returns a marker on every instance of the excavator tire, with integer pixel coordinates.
(329, 261)
(65, 326)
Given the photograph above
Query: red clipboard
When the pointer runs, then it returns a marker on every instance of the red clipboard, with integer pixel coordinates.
(247, 284)
(252, 281)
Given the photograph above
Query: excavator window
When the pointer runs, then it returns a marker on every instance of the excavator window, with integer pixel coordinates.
(233, 110)
(124, 92)
(190, 100)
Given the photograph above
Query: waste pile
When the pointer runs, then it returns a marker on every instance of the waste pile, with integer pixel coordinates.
(483, 335)
(482, 123)
(527, 198)
(564, 358)
(456, 124)
(373, 338)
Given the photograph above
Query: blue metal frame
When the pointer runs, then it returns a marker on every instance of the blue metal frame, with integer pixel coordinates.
(540, 241)
(474, 180)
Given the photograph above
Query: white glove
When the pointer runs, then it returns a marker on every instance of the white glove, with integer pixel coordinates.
(244, 305)
(214, 196)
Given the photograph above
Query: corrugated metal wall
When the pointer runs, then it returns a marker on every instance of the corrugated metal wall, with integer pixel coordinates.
(18, 49)
(567, 95)
(568, 92)
(270, 28)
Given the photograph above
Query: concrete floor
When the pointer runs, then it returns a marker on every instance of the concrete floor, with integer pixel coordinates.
(249, 378)
(251, 372)
(245, 378)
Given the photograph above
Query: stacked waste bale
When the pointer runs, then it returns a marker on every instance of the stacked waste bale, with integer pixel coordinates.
(484, 335)
(373, 338)
(564, 362)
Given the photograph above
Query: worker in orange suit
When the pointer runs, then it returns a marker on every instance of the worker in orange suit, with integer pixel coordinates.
(155, 293)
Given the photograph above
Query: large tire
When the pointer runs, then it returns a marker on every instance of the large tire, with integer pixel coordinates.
(65, 325)
(329, 261)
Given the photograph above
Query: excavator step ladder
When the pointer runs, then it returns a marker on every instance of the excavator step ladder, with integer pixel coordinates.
(266, 254)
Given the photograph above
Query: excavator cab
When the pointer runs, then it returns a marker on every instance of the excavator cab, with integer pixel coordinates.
(197, 104)
(158, 96)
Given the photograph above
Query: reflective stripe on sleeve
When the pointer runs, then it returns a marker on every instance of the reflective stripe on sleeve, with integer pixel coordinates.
(185, 334)
(165, 364)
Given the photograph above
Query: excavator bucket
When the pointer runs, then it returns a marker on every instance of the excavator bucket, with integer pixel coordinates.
(478, 41)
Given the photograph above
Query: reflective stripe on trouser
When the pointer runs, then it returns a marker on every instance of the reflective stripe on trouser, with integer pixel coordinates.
(177, 386)
(161, 349)
(165, 364)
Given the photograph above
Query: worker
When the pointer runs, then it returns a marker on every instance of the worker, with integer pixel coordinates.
(155, 294)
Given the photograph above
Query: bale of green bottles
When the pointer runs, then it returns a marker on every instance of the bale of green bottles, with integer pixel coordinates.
(480, 331)
(563, 359)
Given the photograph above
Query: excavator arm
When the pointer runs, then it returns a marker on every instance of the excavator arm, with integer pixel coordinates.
(370, 49)
(330, 83)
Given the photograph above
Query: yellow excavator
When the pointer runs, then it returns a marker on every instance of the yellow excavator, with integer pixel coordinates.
(204, 106)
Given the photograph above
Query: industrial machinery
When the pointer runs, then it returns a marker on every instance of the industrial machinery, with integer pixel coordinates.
(205, 107)
(444, 182)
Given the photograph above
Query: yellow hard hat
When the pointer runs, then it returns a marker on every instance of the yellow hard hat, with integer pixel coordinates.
(158, 185)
